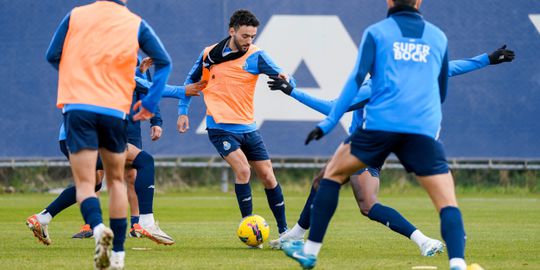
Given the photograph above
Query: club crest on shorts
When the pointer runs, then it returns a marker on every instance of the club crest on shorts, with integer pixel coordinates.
(226, 145)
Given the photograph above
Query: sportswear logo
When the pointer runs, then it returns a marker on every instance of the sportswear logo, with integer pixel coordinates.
(415, 52)
(246, 199)
(280, 204)
(226, 145)
(151, 186)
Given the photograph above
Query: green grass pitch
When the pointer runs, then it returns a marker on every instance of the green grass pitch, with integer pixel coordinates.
(503, 233)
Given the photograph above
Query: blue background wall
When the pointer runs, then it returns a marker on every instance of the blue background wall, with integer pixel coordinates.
(492, 113)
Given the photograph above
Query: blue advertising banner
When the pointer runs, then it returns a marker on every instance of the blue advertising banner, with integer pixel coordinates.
(489, 114)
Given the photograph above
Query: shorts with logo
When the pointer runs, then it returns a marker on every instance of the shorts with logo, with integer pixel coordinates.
(250, 143)
(89, 130)
(420, 154)
(63, 148)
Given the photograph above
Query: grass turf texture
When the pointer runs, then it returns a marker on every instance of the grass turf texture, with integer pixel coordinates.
(503, 233)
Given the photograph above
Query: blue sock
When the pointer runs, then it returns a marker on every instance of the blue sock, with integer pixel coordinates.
(134, 220)
(277, 205)
(324, 206)
(304, 220)
(453, 232)
(67, 198)
(392, 219)
(91, 211)
(144, 182)
(119, 227)
(243, 195)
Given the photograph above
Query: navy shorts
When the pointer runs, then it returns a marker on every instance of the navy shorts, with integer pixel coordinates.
(420, 154)
(375, 172)
(88, 130)
(134, 133)
(250, 143)
(63, 148)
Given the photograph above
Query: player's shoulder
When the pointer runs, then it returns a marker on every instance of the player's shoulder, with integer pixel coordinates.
(435, 31)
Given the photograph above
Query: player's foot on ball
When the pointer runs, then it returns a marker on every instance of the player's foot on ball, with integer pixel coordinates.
(431, 248)
(40, 230)
(154, 233)
(295, 250)
(133, 231)
(103, 249)
(117, 260)
(85, 232)
(284, 237)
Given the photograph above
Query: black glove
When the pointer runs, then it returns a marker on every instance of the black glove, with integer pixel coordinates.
(501, 55)
(316, 134)
(277, 83)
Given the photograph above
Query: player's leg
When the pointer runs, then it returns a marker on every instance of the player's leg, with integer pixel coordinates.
(365, 186)
(361, 149)
(426, 158)
(255, 151)
(144, 194)
(131, 175)
(228, 146)
(86, 231)
(299, 229)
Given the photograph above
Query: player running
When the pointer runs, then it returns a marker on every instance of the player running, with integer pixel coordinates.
(365, 182)
(95, 51)
(407, 58)
(232, 68)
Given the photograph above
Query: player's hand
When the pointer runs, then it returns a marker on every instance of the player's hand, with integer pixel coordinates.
(315, 134)
(143, 114)
(155, 132)
(145, 64)
(182, 124)
(194, 88)
(278, 83)
(501, 55)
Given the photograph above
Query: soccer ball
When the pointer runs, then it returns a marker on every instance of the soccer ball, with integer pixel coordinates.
(253, 230)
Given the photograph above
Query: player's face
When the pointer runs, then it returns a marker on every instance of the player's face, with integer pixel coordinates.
(243, 37)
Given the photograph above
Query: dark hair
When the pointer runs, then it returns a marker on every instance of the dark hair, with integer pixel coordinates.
(405, 2)
(243, 17)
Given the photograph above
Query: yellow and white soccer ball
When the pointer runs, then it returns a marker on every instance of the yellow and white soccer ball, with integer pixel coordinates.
(253, 230)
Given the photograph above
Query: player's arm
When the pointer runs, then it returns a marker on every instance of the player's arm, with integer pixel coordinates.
(261, 63)
(320, 105)
(364, 63)
(443, 76)
(501, 55)
(152, 46)
(194, 76)
(54, 52)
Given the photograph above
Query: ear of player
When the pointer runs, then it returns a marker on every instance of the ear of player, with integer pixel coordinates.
(501, 55)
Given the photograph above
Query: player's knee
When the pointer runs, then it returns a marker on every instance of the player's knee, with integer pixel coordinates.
(366, 205)
(243, 174)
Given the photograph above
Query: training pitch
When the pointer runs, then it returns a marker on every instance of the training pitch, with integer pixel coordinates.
(503, 232)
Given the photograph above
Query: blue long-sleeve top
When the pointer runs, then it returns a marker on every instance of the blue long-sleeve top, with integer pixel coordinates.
(257, 63)
(149, 43)
(456, 67)
(407, 58)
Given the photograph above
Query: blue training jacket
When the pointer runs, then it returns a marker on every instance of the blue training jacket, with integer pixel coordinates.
(408, 61)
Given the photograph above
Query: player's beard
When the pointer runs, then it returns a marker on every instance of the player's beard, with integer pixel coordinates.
(239, 46)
